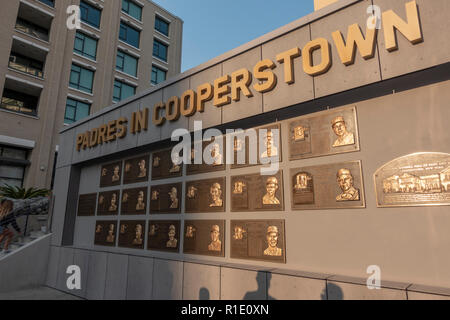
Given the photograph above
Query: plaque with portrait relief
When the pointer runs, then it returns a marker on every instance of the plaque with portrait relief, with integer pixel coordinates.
(205, 195)
(419, 179)
(204, 237)
(255, 192)
(215, 149)
(105, 233)
(324, 133)
(136, 170)
(111, 175)
(163, 166)
(134, 201)
(132, 234)
(164, 236)
(258, 240)
(330, 186)
(87, 204)
(108, 203)
(166, 198)
(257, 146)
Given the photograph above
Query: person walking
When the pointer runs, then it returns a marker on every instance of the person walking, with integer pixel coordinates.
(6, 219)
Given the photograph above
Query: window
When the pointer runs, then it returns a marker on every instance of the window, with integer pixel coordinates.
(13, 162)
(126, 63)
(122, 91)
(25, 64)
(90, 14)
(160, 50)
(162, 26)
(132, 9)
(75, 110)
(19, 102)
(81, 79)
(129, 35)
(158, 75)
(32, 29)
(85, 46)
(50, 3)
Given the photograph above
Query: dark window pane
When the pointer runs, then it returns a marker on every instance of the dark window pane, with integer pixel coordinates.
(162, 26)
(90, 14)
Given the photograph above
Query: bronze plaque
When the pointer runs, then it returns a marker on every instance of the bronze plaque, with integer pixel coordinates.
(86, 205)
(205, 195)
(105, 233)
(166, 198)
(204, 237)
(108, 203)
(136, 170)
(134, 201)
(331, 186)
(132, 234)
(110, 175)
(217, 155)
(164, 236)
(266, 149)
(329, 132)
(163, 167)
(419, 179)
(258, 240)
(257, 193)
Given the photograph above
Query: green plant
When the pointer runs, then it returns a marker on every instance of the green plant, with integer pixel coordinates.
(21, 193)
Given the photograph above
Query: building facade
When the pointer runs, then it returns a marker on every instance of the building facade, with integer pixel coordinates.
(360, 115)
(52, 74)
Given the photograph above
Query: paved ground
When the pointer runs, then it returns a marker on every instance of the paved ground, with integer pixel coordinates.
(41, 293)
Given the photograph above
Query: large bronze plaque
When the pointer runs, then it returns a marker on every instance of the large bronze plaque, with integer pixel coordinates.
(105, 233)
(134, 201)
(164, 236)
(257, 193)
(419, 179)
(136, 170)
(258, 240)
(330, 132)
(267, 149)
(205, 195)
(166, 198)
(108, 203)
(86, 205)
(217, 154)
(204, 237)
(111, 175)
(132, 234)
(331, 186)
(163, 167)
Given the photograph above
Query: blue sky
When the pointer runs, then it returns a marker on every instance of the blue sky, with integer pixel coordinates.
(213, 27)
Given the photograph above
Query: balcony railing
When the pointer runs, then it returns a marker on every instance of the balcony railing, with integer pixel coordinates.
(26, 65)
(32, 29)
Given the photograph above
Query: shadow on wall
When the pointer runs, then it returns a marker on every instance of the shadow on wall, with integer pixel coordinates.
(263, 281)
(204, 294)
(332, 292)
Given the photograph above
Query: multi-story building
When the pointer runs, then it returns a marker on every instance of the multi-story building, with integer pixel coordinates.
(52, 75)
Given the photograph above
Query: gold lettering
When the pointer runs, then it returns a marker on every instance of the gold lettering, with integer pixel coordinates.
(188, 103)
(93, 140)
(122, 128)
(102, 134)
(240, 81)
(173, 109)
(221, 91)
(287, 58)
(111, 134)
(140, 121)
(355, 38)
(267, 77)
(205, 93)
(411, 29)
(308, 65)
(157, 119)
(85, 140)
(79, 141)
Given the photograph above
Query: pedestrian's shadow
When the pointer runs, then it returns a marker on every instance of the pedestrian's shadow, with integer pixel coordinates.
(263, 281)
(204, 294)
(332, 292)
